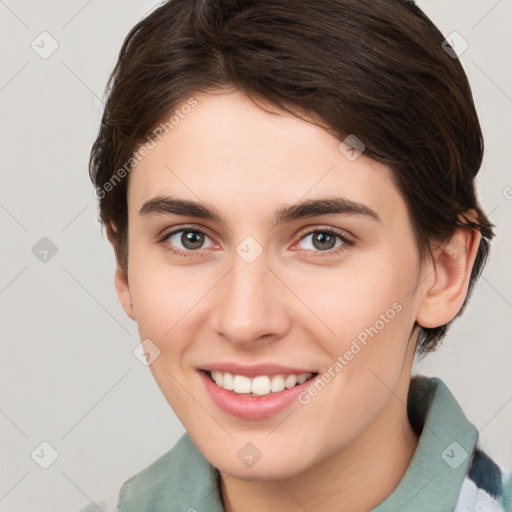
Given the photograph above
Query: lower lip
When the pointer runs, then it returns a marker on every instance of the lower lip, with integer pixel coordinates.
(253, 407)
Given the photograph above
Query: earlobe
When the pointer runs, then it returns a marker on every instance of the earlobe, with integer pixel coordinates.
(447, 286)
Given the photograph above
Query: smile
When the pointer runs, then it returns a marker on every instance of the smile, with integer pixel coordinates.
(262, 392)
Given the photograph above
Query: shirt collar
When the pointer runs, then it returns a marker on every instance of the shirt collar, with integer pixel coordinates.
(436, 472)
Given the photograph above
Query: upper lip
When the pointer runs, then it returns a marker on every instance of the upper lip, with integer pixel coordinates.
(255, 370)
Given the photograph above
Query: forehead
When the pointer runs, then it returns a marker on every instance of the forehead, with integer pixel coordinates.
(238, 156)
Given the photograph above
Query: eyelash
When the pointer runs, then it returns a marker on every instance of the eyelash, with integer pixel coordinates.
(315, 254)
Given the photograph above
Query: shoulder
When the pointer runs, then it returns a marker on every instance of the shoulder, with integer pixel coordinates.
(473, 479)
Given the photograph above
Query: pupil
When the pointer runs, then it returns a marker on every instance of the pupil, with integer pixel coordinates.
(192, 240)
(323, 241)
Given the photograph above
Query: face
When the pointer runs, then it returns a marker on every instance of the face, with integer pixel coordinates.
(282, 258)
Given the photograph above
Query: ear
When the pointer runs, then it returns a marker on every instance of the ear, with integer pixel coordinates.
(447, 282)
(121, 279)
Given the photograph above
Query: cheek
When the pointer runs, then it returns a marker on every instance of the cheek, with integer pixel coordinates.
(163, 295)
(166, 303)
(363, 320)
(347, 300)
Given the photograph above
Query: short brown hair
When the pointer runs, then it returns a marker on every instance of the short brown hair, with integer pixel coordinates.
(373, 68)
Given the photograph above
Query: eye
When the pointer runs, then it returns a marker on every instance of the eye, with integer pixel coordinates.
(185, 240)
(325, 241)
(188, 240)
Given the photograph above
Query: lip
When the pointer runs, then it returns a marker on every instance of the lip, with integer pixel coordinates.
(253, 407)
(255, 370)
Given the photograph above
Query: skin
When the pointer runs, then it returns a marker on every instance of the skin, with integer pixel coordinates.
(296, 304)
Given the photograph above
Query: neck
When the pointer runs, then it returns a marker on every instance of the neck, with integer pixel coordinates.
(365, 472)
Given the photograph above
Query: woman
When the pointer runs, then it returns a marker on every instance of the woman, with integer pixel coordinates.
(289, 191)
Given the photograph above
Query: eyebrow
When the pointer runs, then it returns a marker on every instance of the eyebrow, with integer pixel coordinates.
(288, 213)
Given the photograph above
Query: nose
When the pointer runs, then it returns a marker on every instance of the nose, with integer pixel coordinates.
(251, 304)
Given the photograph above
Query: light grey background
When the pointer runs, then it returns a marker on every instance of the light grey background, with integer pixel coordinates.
(68, 374)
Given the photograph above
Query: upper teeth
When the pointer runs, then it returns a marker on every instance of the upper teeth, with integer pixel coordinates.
(261, 385)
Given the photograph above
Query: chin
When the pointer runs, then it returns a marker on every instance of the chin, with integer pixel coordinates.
(269, 464)
(262, 471)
